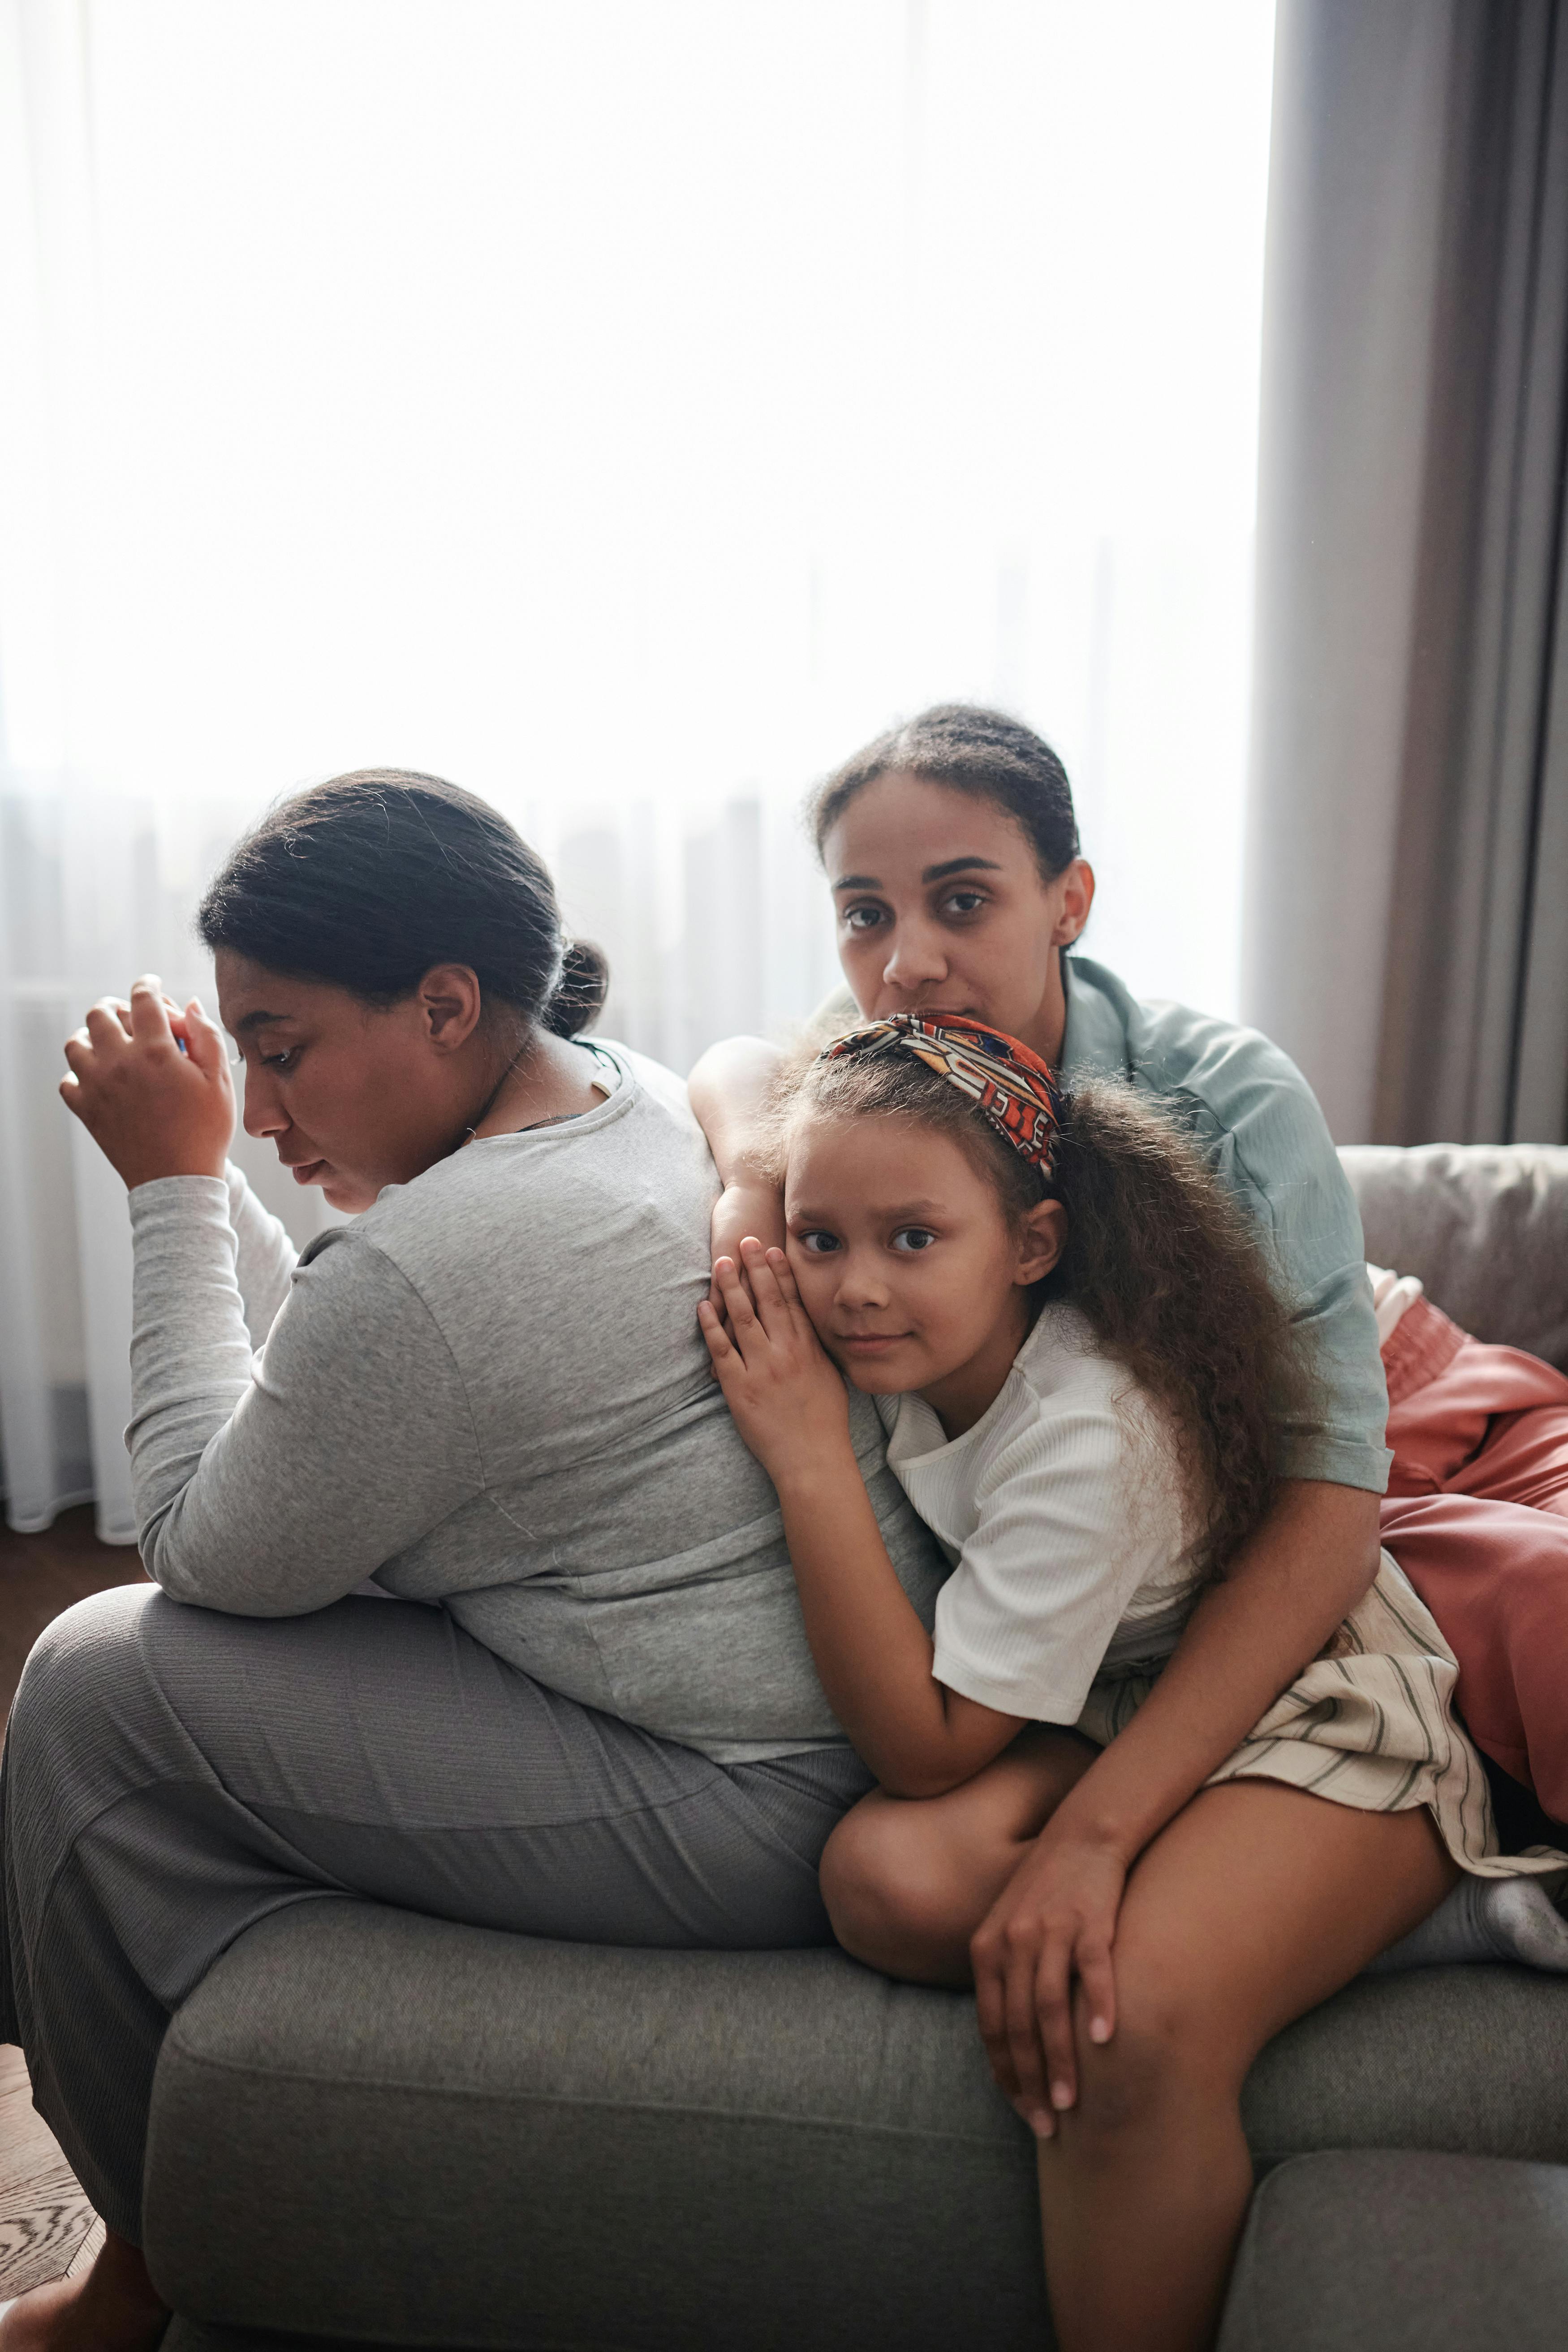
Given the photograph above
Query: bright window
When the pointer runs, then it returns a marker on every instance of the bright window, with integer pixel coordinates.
(628, 406)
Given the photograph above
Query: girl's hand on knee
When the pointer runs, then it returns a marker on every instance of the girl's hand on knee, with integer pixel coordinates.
(1045, 1944)
(786, 1395)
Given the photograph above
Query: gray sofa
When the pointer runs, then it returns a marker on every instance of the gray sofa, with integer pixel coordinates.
(371, 2127)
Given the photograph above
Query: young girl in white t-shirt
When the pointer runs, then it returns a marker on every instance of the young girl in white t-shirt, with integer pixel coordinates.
(1080, 1360)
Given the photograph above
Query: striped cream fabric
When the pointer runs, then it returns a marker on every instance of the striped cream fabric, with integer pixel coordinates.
(1370, 1723)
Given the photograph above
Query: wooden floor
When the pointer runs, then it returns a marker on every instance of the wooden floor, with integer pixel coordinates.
(46, 2226)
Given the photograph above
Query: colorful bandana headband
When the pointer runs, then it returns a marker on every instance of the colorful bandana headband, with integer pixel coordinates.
(1008, 1085)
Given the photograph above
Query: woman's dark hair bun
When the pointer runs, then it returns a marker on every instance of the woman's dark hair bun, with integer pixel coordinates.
(371, 879)
(579, 994)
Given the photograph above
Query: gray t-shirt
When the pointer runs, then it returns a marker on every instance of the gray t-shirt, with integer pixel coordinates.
(490, 1391)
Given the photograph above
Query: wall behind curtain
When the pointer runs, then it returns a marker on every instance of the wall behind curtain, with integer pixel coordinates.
(625, 411)
(1406, 932)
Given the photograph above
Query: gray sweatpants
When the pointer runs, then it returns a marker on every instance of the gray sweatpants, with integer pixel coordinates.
(171, 1775)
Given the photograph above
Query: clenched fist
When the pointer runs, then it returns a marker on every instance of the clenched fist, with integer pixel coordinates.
(151, 1086)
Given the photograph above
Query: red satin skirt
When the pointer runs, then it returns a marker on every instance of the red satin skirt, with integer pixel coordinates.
(1477, 1515)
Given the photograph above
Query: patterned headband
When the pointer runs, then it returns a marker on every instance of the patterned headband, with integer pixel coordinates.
(1009, 1086)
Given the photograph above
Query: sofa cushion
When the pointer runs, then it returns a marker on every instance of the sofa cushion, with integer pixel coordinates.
(373, 2125)
(1484, 1226)
(1388, 2251)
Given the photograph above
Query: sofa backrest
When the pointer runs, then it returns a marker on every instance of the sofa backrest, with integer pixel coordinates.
(1484, 1226)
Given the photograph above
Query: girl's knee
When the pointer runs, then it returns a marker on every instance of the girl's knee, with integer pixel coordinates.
(890, 1902)
(1169, 2056)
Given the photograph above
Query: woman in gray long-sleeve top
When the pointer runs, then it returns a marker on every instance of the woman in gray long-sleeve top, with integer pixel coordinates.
(491, 1393)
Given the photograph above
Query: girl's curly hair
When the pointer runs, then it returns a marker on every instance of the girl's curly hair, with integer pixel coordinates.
(1159, 1259)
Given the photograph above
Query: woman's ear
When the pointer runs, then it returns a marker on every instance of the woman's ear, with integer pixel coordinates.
(1075, 885)
(449, 1001)
(1041, 1243)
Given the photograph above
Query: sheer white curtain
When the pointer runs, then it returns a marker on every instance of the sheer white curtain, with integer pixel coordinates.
(625, 411)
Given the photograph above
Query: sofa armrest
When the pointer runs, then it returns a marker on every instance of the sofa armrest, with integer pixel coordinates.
(1485, 1226)
(1390, 2250)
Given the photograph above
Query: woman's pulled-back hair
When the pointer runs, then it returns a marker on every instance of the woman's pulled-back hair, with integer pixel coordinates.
(982, 753)
(1159, 1259)
(370, 880)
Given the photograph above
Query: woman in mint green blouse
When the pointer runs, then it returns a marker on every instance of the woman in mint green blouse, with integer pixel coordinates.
(951, 852)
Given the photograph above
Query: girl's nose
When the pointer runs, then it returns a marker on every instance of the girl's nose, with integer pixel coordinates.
(859, 1282)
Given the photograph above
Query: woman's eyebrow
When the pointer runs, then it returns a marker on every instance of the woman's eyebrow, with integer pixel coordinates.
(251, 1021)
(932, 874)
(959, 866)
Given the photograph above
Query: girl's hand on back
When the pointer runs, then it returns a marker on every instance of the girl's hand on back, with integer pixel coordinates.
(1049, 1931)
(786, 1395)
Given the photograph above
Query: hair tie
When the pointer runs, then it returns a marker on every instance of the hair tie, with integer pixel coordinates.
(1008, 1085)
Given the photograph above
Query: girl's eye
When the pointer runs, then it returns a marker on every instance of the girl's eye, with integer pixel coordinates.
(282, 1060)
(862, 918)
(911, 1239)
(964, 902)
(818, 1245)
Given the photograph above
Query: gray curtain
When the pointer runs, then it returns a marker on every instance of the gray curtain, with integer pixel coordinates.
(1406, 921)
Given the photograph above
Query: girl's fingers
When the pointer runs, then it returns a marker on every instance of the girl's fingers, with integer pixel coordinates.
(745, 1330)
(783, 1274)
(1097, 1975)
(1053, 2025)
(773, 1306)
(713, 1332)
(1031, 2098)
(733, 1290)
(999, 2051)
(789, 1289)
(992, 1962)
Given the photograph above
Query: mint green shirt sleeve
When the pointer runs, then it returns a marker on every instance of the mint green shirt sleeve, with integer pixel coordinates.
(1258, 1123)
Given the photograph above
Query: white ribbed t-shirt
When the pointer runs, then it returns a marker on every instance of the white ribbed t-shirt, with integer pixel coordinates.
(1062, 1511)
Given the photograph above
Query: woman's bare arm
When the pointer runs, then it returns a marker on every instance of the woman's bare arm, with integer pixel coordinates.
(727, 1090)
(1295, 1581)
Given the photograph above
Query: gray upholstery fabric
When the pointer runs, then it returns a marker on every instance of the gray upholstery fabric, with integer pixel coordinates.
(470, 2138)
(1386, 2251)
(190, 2336)
(1485, 1228)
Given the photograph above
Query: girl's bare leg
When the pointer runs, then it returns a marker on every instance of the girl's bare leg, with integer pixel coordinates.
(112, 2307)
(907, 1880)
(1257, 1902)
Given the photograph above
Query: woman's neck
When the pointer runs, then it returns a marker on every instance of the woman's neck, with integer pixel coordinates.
(551, 1079)
(1047, 1031)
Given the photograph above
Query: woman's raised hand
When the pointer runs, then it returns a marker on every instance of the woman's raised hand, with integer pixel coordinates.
(1046, 1941)
(151, 1086)
(786, 1395)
